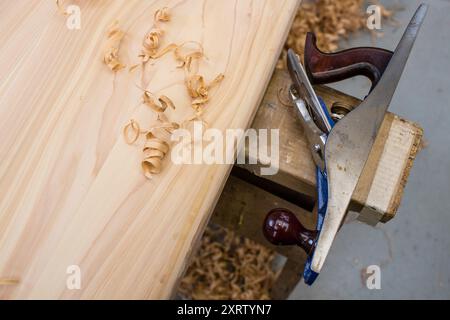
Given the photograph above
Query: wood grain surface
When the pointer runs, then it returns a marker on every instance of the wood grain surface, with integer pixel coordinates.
(71, 189)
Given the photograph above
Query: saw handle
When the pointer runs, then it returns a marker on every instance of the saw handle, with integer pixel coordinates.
(281, 227)
(323, 68)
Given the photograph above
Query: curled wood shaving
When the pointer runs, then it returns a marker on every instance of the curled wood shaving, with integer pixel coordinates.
(111, 55)
(133, 67)
(156, 147)
(228, 267)
(165, 124)
(163, 100)
(198, 90)
(152, 40)
(151, 45)
(162, 15)
(185, 53)
(135, 130)
(187, 58)
(60, 8)
(9, 282)
(197, 86)
(154, 152)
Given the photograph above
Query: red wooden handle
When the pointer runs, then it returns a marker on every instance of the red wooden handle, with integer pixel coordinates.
(281, 227)
(323, 68)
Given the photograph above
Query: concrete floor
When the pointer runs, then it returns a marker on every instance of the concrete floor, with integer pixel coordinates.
(413, 250)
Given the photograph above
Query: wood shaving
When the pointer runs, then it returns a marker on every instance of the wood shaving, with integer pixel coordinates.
(198, 90)
(157, 146)
(61, 10)
(163, 100)
(154, 152)
(9, 282)
(187, 58)
(135, 130)
(185, 55)
(111, 55)
(133, 67)
(156, 143)
(162, 15)
(229, 267)
(184, 59)
(165, 124)
(157, 136)
(196, 85)
(164, 51)
(152, 39)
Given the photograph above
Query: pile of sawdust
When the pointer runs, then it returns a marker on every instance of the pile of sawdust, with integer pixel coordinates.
(231, 267)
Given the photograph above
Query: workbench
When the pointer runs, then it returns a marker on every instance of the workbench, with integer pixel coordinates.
(248, 196)
(73, 195)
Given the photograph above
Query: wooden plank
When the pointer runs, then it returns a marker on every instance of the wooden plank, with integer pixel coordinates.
(72, 191)
(380, 189)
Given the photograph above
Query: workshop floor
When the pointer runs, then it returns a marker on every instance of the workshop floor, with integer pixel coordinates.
(413, 250)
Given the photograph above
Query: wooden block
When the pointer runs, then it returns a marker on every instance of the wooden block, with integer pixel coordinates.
(378, 194)
(71, 190)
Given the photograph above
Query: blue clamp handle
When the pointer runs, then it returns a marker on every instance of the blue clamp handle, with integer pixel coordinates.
(322, 201)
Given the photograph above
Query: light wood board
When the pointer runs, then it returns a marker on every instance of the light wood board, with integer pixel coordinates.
(71, 189)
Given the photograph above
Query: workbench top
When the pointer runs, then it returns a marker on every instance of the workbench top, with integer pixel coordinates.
(73, 199)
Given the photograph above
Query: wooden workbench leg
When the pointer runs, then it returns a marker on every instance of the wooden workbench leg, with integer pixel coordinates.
(289, 277)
